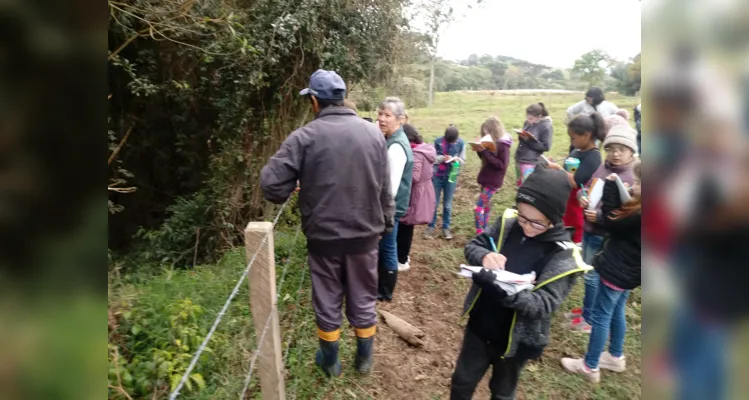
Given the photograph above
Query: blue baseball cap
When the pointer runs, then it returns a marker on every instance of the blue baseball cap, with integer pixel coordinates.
(326, 85)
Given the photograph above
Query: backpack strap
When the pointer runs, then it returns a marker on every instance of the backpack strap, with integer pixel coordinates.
(567, 245)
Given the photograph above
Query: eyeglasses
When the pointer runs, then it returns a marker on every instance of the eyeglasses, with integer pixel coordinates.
(537, 225)
(617, 149)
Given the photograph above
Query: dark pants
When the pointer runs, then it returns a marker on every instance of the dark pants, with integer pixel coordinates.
(475, 358)
(353, 276)
(404, 239)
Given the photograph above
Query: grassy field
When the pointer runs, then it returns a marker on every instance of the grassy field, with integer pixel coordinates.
(429, 296)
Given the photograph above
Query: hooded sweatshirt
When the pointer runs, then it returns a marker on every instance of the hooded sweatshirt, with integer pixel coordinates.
(421, 206)
(494, 165)
(519, 324)
(529, 151)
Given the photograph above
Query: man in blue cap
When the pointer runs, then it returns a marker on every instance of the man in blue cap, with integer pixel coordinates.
(341, 163)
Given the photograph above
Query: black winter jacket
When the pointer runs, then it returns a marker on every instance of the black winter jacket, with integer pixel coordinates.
(619, 261)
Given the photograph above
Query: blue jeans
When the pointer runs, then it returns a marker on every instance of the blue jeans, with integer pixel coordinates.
(607, 316)
(698, 350)
(441, 184)
(389, 249)
(591, 245)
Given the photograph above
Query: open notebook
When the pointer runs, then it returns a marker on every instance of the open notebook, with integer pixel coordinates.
(487, 142)
(596, 192)
(510, 282)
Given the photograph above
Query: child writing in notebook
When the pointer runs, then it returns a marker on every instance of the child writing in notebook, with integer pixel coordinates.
(493, 168)
(583, 131)
(450, 148)
(619, 271)
(620, 146)
(505, 331)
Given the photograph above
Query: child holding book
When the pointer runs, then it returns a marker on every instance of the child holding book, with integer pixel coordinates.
(450, 148)
(493, 168)
(505, 331)
(620, 146)
(583, 131)
(534, 140)
(619, 271)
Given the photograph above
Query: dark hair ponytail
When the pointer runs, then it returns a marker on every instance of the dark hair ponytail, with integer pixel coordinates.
(599, 126)
(412, 134)
(537, 110)
(592, 123)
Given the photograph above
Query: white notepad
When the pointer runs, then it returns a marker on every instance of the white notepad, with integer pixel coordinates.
(510, 282)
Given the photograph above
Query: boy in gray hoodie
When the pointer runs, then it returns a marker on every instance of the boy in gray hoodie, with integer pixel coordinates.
(505, 331)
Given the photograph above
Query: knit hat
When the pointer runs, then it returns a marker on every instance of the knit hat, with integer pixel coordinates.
(622, 134)
(623, 113)
(610, 121)
(548, 190)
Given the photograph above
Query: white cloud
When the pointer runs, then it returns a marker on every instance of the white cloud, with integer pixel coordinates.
(550, 32)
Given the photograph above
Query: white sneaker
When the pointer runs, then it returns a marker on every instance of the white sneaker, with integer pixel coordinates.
(404, 267)
(577, 366)
(611, 363)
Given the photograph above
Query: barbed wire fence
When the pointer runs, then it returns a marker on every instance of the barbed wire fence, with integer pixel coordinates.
(259, 256)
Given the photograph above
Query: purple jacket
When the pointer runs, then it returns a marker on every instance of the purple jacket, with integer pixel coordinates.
(494, 166)
(421, 207)
(606, 169)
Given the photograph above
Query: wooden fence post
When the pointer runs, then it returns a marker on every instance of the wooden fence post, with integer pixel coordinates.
(262, 281)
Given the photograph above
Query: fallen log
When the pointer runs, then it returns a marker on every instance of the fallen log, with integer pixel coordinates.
(406, 331)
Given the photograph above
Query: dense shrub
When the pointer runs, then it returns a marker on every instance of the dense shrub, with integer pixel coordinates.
(207, 91)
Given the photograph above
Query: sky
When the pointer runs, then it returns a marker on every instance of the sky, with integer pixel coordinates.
(549, 32)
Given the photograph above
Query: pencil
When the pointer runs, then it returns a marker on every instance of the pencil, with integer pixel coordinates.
(494, 246)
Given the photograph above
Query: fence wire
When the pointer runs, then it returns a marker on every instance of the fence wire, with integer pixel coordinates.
(173, 395)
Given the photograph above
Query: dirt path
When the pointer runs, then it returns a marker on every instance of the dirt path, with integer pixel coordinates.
(429, 296)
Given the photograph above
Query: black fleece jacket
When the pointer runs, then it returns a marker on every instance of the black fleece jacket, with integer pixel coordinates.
(490, 317)
(619, 262)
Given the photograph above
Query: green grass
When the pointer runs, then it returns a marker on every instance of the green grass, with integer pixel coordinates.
(209, 286)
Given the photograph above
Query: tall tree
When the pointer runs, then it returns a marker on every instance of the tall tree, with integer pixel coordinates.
(627, 76)
(437, 14)
(592, 67)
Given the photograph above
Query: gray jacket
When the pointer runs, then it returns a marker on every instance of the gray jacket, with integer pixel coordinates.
(533, 308)
(341, 163)
(529, 151)
(606, 108)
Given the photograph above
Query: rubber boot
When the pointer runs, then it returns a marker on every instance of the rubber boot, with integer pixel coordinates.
(391, 278)
(327, 358)
(382, 279)
(364, 358)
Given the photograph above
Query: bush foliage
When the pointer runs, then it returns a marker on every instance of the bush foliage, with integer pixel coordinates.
(203, 92)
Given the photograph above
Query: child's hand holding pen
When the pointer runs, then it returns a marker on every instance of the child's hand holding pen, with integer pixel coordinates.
(584, 200)
(494, 260)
